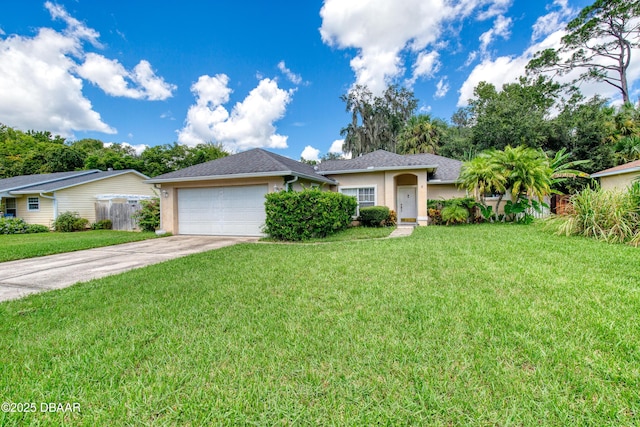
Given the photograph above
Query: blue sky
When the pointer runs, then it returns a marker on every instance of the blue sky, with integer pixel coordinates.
(254, 73)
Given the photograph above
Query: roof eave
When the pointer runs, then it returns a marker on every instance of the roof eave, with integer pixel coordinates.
(618, 172)
(240, 176)
(49, 181)
(64, 187)
(378, 169)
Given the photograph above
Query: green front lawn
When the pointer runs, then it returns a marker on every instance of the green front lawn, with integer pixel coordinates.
(471, 325)
(20, 246)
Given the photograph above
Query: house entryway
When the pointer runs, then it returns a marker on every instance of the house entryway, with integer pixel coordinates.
(407, 208)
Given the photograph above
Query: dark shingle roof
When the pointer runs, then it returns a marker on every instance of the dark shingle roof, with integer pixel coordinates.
(446, 170)
(18, 182)
(96, 175)
(255, 162)
(379, 159)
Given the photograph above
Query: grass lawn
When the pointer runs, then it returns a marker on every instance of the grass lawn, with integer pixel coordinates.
(351, 233)
(20, 246)
(474, 325)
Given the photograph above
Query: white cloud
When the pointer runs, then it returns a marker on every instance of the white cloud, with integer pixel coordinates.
(38, 86)
(442, 88)
(2, 33)
(382, 30)
(294, 78)
(551, 22)
(110, 76)
(495, 8)
(250, 123)
(75, 29)
(336, 146)
(310, 153)
(426, 65)
(41, 79)
(501, 28)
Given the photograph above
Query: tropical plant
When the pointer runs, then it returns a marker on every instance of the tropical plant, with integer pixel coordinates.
(522, 172)
(482, 176)
(454, 213)
(562, 169)
(419, 135)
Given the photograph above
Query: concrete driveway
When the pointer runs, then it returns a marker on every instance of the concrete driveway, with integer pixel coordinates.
(24, 277)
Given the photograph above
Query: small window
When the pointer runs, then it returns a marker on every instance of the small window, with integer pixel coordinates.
(33, 203)
(365, 196)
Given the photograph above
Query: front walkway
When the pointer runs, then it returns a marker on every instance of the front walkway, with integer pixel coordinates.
(402, 231)
(33, 275)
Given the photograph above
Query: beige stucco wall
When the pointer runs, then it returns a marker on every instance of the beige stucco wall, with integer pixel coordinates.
(620, 181)
(43, 216)
(169, 205)
(386, 184)
(82, 198)
(444, 192)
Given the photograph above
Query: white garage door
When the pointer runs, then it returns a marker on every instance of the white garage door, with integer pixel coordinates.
(231, 211)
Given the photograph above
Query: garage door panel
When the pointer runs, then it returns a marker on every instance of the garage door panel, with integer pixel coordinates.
(222, 210)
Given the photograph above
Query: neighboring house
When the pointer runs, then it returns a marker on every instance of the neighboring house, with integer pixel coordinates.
(619, 177)
(226, 196)
(39, 199)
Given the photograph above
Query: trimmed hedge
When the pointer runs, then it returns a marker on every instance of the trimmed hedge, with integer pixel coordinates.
(18, 226)
(307, 214)
(374, 216)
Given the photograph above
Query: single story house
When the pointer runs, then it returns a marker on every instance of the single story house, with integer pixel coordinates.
(226, 196)
(39, 199)
(619, 177)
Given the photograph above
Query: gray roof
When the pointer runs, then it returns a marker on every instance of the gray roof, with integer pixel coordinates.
(446, 170)
(45, 183)
(251, 163)
(378, 160)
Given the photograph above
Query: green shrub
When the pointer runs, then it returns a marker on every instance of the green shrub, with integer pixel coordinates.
(455, 214)
(18, 226)
(13, 226)
(70, 221)
(374, 216)
(307, 214)
(103, 224)
(148, 216)
(37, 228)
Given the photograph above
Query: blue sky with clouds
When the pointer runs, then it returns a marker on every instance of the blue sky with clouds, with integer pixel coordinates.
(255, 74)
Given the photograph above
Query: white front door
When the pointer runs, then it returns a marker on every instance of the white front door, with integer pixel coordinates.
(407, 207)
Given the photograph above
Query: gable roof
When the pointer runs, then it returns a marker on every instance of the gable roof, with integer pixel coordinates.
(247, 164)
(445, 170)
(626, 168)
(46, 183)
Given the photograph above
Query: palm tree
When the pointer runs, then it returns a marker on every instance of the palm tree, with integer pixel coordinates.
(482, 176)
(527, 170)
(420, 135)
